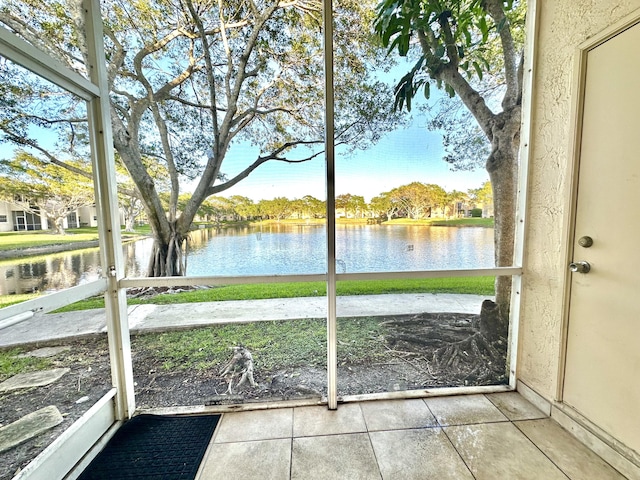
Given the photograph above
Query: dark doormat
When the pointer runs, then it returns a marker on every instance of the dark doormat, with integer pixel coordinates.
(154, 447)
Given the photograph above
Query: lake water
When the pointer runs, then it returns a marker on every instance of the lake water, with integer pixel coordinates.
(275, 250)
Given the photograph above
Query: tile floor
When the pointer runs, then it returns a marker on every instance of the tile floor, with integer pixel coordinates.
(495, 436)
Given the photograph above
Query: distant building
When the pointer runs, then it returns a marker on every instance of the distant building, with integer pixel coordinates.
(13, 218)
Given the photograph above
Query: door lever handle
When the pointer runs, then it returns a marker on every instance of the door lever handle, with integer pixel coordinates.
(580, 267)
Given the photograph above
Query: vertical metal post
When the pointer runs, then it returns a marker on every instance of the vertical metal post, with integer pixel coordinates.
(111, 256)
(332, 335)
(523, 177)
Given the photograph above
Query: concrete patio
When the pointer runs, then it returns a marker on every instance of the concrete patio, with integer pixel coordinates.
(481, 437)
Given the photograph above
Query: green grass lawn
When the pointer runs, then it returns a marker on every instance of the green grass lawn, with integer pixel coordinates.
(273, 344)
(459, 285)
(43, 238)
(19, 240)
(442, 222)
(11, 363)
(7, 300)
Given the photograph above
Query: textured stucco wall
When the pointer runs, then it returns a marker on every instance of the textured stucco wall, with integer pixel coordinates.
(563, 25)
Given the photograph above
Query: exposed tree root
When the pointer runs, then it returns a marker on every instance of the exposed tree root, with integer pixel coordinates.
(474, 360)
(453, 346)
(240, 365)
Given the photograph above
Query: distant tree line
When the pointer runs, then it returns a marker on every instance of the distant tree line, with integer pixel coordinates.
(415, 200)
(53, 192)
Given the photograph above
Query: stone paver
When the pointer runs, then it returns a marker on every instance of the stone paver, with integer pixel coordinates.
(32, 379)
(29, 426)
(45, 352)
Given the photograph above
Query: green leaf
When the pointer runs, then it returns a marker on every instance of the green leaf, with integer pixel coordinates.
(467, 36)
(427, 90)
(394, 44)
(460, 51)
(450, 91)
(403, 45)
(440, 51)
(478, 69)
(484, 28)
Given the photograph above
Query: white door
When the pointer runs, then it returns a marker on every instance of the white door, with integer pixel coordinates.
(602, 374)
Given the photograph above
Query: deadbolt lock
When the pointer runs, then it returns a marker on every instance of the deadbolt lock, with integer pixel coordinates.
(585, 241)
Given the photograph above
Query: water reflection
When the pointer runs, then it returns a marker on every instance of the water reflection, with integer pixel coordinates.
(50, 273)
(270, 250)
(273, 250)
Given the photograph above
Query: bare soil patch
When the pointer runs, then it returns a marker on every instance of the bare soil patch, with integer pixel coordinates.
(410, 342)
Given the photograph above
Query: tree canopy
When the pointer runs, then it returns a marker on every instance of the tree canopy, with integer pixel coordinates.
(190, 80)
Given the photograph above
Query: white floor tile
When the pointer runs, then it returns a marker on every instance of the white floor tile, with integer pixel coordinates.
(571, 456)
(464, 410)
(515, 406)
(500, 451)
(397, 414)
(423, 454)
(263, 459)
(309, 421)
(255, 425)
(334, 457)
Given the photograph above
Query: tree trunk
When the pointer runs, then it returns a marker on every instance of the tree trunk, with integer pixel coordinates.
(57, 226)
(168, 258)
(502, 167)
(129, 224)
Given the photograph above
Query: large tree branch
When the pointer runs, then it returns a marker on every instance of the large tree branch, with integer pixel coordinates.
(194, 104)
(245, 117)
(60, 163)
(214, 161)
(152, 48)
(238, 74)
(171, 165)
(273, 156)
(25, 142)
(163, 92)
(241, 73)
(450, 43)
(227, 48)
(157, 46)
(70, 121)
(152, 101)
(210, 80)
(470, 97)
(510, 55)
(117, 58)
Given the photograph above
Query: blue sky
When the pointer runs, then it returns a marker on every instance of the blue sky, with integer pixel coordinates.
(400, 157)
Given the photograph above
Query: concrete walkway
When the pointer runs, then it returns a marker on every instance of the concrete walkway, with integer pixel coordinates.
(42, 327)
